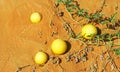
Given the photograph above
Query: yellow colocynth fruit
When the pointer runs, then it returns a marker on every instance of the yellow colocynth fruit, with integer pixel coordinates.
(59, 46)
(89, 31)
(35, 17)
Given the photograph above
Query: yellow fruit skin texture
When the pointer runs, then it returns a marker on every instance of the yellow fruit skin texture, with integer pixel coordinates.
(40, 58)
(89, 31)
(35, 17)
(59, 46)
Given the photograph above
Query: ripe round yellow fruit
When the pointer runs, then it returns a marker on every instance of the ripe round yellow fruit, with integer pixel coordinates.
(40, 58)
(59, 46)
(35, 17)
(89, 31)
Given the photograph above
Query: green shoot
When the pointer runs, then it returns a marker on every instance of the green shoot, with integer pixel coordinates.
(97, 15)
(118, 36)
(117, 51)
(81, 12)
(113, 18)
(110, 43)
(78, 36)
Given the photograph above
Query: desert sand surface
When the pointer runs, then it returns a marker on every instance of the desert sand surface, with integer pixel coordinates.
(20, 39)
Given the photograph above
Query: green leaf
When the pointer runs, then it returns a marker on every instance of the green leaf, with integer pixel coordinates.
(97, 15)
(70, 10)
(113, 17)
(100, 37)
(110, 43)
(68, 1)
(78, 35)
(87, 16)
(81, 12)
(73, 6)
(117, 51)
(118, 34)
(104, 22)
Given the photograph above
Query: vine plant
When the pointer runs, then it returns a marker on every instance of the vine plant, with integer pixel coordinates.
(98, 17)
